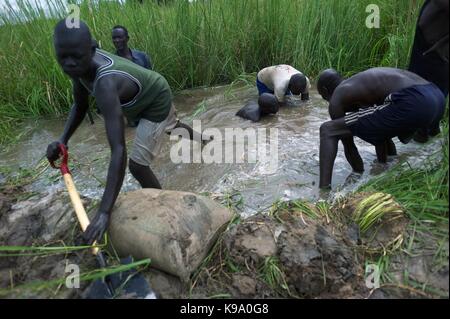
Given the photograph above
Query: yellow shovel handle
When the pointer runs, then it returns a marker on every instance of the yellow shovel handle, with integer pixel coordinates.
(83, 218)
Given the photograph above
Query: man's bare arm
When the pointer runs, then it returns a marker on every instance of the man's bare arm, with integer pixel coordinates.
(109, 103)
(77, 113)
(337, 110)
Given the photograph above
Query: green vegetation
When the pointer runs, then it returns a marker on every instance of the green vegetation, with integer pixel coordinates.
(373, 208)
(203, 43)
(271, 274)
(227, 41)
(96, 274)
(423, 193)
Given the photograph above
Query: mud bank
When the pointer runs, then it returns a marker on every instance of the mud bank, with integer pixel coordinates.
(38, 222)
(294, 250)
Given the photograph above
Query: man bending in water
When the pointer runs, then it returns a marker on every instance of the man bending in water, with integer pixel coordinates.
(119, 87)
(281, 80)
(375, 105)
(274, 83)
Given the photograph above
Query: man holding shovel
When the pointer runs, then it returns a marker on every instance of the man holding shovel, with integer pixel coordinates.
(120, 87)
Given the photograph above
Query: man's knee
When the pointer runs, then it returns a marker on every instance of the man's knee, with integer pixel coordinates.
(421, 135)
(326, 129)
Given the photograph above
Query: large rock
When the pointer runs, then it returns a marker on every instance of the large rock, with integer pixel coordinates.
(174, 229)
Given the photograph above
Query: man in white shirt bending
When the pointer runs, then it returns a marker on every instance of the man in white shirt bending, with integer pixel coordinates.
(281, 80)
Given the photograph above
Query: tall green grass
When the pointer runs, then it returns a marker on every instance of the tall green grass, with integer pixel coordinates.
(201, 44)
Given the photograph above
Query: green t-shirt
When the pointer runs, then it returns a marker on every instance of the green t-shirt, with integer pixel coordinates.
(154, 98)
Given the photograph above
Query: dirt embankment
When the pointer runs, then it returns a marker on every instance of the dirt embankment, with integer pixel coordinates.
(290, 253)
(41, 221)
(294, 256)
(301, 251)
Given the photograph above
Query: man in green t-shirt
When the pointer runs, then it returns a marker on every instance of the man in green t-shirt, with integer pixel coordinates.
(119, 87)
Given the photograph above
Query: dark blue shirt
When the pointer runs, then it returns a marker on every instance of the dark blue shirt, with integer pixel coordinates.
(140, 58)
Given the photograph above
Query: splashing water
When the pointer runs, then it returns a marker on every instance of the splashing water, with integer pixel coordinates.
(296, 175)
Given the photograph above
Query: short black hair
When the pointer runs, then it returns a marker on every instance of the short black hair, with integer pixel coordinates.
(298, 82)
(121, 27)
(268, 103)
(329, 80)
(62, 31)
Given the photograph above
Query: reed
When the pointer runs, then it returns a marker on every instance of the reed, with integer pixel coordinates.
(198, 44)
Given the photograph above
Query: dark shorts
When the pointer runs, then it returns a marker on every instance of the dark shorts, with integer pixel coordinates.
(262, 88)
(402, 114)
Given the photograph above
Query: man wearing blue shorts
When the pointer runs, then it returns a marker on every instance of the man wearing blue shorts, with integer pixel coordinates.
(282, 80)
(375, 105)
(274, 83)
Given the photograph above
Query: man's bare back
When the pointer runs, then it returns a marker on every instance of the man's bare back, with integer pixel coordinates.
(372, 87)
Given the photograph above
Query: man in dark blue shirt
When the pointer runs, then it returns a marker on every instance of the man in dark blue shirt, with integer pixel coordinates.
(120, 39)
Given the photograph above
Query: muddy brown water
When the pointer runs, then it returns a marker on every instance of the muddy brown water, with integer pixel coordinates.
(296, 175)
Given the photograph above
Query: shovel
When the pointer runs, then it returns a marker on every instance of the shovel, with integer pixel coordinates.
(130, 282)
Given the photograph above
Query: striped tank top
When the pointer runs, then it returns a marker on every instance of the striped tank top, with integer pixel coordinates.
(154, 98)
